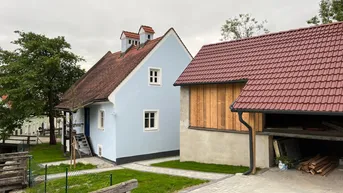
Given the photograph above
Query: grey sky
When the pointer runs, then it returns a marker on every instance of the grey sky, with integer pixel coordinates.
(94, 27)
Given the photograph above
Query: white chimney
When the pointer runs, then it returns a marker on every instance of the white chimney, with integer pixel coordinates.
(145, 33)
(128, 39)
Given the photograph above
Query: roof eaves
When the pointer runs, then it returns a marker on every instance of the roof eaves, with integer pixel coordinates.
(285, 111)
(198, 83)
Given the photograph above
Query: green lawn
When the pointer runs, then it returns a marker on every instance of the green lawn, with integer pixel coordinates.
(147, 182)
(43, 153)
(216, 168)
(62, 168)
(47, 153)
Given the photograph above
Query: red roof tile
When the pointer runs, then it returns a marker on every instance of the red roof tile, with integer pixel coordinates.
(147, 29)
(298, 70)
(101, 80)
(131, 35)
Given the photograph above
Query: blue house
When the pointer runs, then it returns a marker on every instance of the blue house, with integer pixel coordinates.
(126, 103)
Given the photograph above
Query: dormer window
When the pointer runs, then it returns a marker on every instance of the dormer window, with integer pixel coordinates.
(129, 41)
(148, 37)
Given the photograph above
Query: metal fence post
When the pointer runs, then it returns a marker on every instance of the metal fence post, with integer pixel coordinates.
(66, 180)
(30, 171)
(45, 179)
(110, 179)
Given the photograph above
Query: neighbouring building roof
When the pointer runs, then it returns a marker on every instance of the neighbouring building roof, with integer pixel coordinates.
(101, 80)
(297, 70)
(147, 29)
(130, 35)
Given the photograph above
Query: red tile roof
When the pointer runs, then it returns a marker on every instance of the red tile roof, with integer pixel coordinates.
(147, 29)
(101, 80)
(131, 35)
(296, 70)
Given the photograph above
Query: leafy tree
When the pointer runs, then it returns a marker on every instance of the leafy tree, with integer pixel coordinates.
(37, 73)
(329, 11)
(9, 121)
(243, 26)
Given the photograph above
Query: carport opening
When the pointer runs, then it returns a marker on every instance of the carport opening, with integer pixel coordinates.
(306, 124)
(305, 137)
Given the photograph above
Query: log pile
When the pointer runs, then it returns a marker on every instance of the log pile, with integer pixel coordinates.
(321, 165)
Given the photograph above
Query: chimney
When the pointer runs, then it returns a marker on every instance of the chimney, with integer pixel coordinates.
(128, 39)
(145, 33)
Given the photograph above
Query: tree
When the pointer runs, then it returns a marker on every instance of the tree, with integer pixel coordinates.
(243, 26)
(37, 73)
(329, 11)
(9, 121)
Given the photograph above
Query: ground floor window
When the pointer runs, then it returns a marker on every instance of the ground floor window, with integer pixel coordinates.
(150, 120)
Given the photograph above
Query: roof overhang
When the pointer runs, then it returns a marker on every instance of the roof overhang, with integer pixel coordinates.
(81, 106)
(270, 111)
(200, 83)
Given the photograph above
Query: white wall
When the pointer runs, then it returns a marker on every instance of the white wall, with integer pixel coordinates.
(106, 137)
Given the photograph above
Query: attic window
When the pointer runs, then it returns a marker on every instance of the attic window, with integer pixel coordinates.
(155, 75)
(129, 41)
(148, 37)
(136, 43)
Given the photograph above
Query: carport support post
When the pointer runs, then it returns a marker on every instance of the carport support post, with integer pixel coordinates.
(252, 145)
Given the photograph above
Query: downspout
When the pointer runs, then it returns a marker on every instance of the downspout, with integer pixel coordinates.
(251, 144)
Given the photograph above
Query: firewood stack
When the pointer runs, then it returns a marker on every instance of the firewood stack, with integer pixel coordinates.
(322, 165)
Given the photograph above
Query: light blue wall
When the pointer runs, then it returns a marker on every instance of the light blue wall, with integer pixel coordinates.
(105, 137)
(136, 95)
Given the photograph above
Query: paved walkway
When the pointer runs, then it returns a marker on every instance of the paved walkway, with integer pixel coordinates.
(100, 163)
(278, 181)
(175, 172)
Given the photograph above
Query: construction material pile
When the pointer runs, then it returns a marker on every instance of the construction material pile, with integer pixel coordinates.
(322, 165)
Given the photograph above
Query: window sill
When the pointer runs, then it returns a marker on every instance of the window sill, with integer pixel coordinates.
(155, 84)
(101, 128)
(151, 129)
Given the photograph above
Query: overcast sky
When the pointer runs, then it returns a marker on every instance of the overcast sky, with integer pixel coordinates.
(94, 27)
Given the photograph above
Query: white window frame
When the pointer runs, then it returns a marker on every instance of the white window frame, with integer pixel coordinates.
(102, 150)
(157, 119)
(101, 127)
(159, 76)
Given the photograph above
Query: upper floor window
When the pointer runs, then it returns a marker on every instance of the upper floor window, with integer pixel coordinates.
(101, 119)
(148, 37)
(155, 75)
(129, 41)
(150, 120)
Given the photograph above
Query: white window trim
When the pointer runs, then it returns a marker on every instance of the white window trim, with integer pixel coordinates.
(102, 150)
(157, 120)
(99, 119)
(159, 77)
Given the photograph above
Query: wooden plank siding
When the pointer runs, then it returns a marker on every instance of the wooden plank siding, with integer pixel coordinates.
(210, 108)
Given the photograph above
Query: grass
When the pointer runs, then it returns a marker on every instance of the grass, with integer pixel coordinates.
(47, 153)
(43, 153)
(147, 182)
(195, 166)
(62, 168)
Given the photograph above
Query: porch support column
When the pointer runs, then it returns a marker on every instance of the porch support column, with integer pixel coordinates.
(252, 145)
(70, 129)
(64, 132)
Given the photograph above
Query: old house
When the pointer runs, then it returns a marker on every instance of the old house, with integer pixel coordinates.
(287, 84)
(126, 104)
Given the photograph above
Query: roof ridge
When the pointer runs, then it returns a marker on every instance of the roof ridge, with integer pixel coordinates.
(275, 33)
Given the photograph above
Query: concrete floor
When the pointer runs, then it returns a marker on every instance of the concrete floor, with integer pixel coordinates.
(277, 181)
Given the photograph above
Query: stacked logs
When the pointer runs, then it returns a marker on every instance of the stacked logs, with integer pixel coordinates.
(322, 165)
